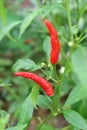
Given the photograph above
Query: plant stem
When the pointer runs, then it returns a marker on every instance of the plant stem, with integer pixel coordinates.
(78, 9)
(49, 76)
(44, 72)
(11, 38)
(71, 51)
(58, 88)
(39, 3)
(69, 19)
(3, 12)
(53, 80)
(55, 72)
(82, 39)
(63, 76)
(49, 117)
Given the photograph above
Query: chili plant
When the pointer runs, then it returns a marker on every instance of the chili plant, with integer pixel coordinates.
(56, 71)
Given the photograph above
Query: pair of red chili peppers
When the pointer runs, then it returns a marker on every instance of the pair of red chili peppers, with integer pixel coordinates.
(54, 54)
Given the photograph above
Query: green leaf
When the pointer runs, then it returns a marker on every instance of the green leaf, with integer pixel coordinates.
(27, 21)
(79, 64)
(45, 11)
(83, 108)
(25, 64)
(46, 127)
(83, 9)
(48, 8)
(46, 46)
(79, 67)
(44, 101)
(75, 119)
(4, 118)
(34, 94)
(20, 127)
(74, 128)
(78, 93)
(26, 112)
(5, 30)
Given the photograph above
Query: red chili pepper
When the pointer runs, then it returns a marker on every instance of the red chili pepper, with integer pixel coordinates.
(55, 45)
(46, 86)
